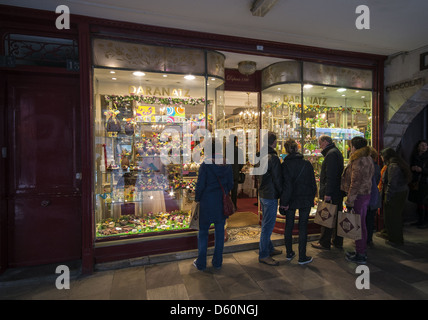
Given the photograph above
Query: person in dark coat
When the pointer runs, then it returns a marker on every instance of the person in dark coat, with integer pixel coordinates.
(330, 179)
(419, 185)
(394, 193)
(375, 200)
(236, 168)
(270, 189)
(298, 192)
(210, 195)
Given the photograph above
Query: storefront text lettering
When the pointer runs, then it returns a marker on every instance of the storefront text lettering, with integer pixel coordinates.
(310, 100)
(159, 91)
(406, 84)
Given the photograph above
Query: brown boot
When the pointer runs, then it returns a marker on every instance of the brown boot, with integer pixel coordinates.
(269, 261)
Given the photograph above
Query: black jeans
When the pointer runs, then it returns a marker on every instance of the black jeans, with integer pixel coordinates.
(303, 230)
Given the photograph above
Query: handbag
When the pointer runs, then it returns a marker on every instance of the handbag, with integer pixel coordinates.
(326, 214)
(194, 216)
(349, 225)
(228, 206)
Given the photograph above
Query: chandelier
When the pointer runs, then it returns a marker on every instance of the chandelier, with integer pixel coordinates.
(248, 116)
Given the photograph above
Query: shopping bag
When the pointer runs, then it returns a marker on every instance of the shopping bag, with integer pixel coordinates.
(326, 214)
(194, 216)
(349, 225)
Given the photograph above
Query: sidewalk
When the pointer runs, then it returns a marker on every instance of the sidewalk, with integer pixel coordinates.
(395, 273)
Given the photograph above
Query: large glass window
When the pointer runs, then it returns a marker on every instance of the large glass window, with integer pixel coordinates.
(293, 107)
(144, 124)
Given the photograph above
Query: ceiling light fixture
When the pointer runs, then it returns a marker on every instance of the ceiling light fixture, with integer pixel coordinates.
(189, 77)
(341, 90)
(247, 67)
(307, 86)
(139, 74)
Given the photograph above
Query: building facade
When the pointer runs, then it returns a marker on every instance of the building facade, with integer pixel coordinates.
(83, 132)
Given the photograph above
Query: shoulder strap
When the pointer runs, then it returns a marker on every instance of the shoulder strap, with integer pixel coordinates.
(221, 186)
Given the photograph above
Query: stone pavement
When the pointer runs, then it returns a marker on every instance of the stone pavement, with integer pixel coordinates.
(395, 273)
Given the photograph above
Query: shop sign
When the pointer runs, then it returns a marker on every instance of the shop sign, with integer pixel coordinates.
(235, 81)
(309, 100)
(405, 84)
(158, 91)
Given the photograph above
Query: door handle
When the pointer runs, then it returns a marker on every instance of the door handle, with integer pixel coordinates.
(45, 203)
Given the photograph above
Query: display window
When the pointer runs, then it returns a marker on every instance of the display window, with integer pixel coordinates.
(144, 125)
(305, 110)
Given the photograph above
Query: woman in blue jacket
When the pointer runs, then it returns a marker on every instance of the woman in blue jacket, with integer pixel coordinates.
(210, 195)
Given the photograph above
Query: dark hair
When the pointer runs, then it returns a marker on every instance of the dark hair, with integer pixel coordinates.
(291, 146)
(389, 155)
(373, 153)
(271, 137)
(415, 151)
(326, 138)
(359, 142)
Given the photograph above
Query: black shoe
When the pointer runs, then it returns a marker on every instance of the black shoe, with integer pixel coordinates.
(291, 255)
(305, 260)
(350, 254)
(357, 258)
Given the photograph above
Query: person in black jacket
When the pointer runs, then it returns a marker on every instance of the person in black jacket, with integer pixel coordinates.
(298, 192)
(270, 189)
(330, 179)
(419, 185)
(236, 168)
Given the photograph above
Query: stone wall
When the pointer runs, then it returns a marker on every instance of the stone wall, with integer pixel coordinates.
(406, 92)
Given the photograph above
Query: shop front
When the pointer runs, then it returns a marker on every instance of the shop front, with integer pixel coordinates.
(146, 98)
(150, 101)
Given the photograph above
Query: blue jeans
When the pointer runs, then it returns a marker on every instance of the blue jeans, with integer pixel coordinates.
(269, 209)
(201, 261)
(303, 230)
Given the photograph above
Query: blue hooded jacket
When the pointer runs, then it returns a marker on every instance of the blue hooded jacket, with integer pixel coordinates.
(208, 191)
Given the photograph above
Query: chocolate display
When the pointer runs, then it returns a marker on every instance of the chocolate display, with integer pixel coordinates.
(130, 224)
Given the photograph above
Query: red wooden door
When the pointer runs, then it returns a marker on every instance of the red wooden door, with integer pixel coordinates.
(43, 168)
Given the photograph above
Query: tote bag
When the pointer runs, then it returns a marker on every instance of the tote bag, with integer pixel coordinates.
(326, 214)
(349, 225)
(194, 216)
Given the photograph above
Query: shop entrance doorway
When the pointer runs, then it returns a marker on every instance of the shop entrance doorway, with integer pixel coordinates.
(41, 194)
(241, 114)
